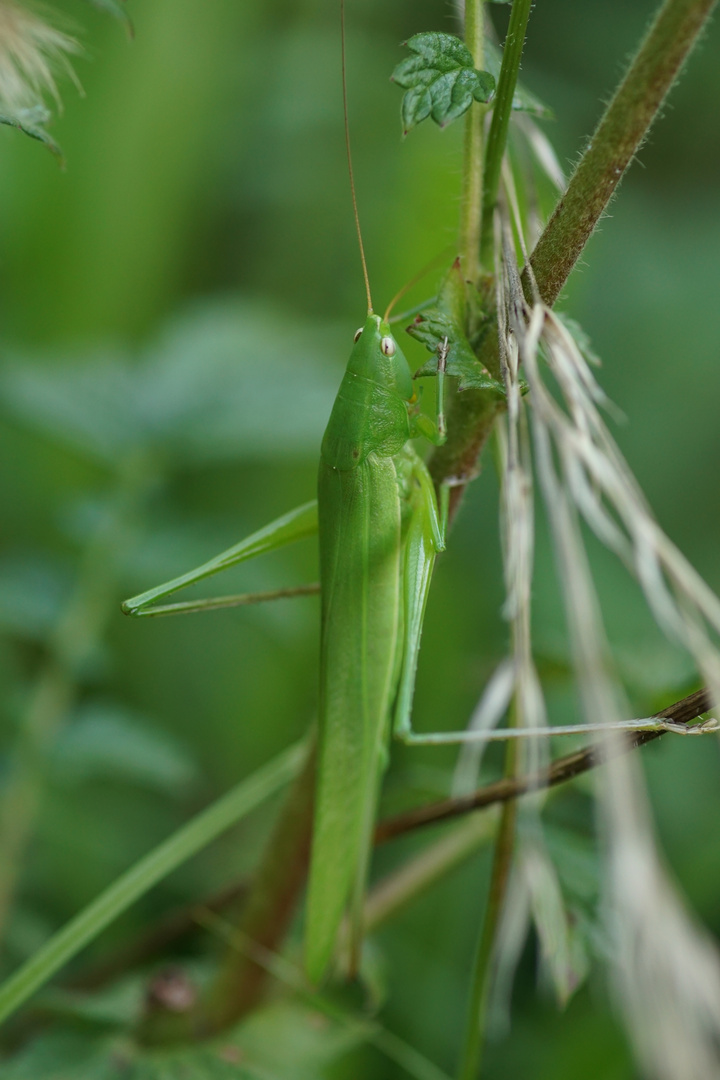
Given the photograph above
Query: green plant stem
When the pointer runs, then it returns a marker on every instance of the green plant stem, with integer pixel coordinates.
(621, 131)
(497, 136)
(617, 138)
(483, 971)
(471, 199)
(72, 645)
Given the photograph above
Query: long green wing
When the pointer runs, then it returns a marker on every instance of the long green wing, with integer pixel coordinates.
(360, 570)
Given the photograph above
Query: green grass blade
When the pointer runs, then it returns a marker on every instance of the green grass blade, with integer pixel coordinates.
(151, 869)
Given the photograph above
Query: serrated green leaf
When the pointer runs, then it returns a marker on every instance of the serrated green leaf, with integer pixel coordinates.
(30, 122)
(285, 1040)
(440, 80)
(67, 1055)
(296, 1041)
(432, 328)
(445, 323)
(523, 99)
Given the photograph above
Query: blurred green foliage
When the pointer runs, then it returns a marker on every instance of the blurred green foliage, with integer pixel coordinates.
(177, 308)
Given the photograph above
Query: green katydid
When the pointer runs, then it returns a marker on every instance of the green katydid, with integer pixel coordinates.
(379, 531)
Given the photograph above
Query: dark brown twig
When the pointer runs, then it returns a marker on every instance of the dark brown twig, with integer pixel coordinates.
(562, 770)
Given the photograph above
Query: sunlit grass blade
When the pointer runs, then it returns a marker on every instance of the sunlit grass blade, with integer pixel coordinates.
(151, 869)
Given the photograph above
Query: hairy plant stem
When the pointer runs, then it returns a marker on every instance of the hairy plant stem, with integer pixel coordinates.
(471, 199)
(619, 134)
(502, 110)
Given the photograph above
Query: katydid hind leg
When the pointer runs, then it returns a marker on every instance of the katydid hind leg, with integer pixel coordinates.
(295, 525)
(219, 603)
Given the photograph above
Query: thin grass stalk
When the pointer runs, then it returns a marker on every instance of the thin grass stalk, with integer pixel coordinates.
(471, 198)
(500, 123)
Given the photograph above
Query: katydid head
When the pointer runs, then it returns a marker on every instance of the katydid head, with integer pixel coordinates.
(377, 356)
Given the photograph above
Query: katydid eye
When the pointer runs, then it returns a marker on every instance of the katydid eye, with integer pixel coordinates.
(387, 346)
(358, 332)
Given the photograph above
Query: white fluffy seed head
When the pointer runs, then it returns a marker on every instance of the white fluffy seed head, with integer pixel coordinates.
(31, 54)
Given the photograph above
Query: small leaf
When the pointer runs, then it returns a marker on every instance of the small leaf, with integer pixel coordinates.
(59, 1055)
(432, 328)
(297, 1041)
(435, 325)
(440, 80)
(523, 100)
(30, 122)
(285, 1039)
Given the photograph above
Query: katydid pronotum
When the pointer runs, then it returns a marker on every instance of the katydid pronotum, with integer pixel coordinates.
(380, 527)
